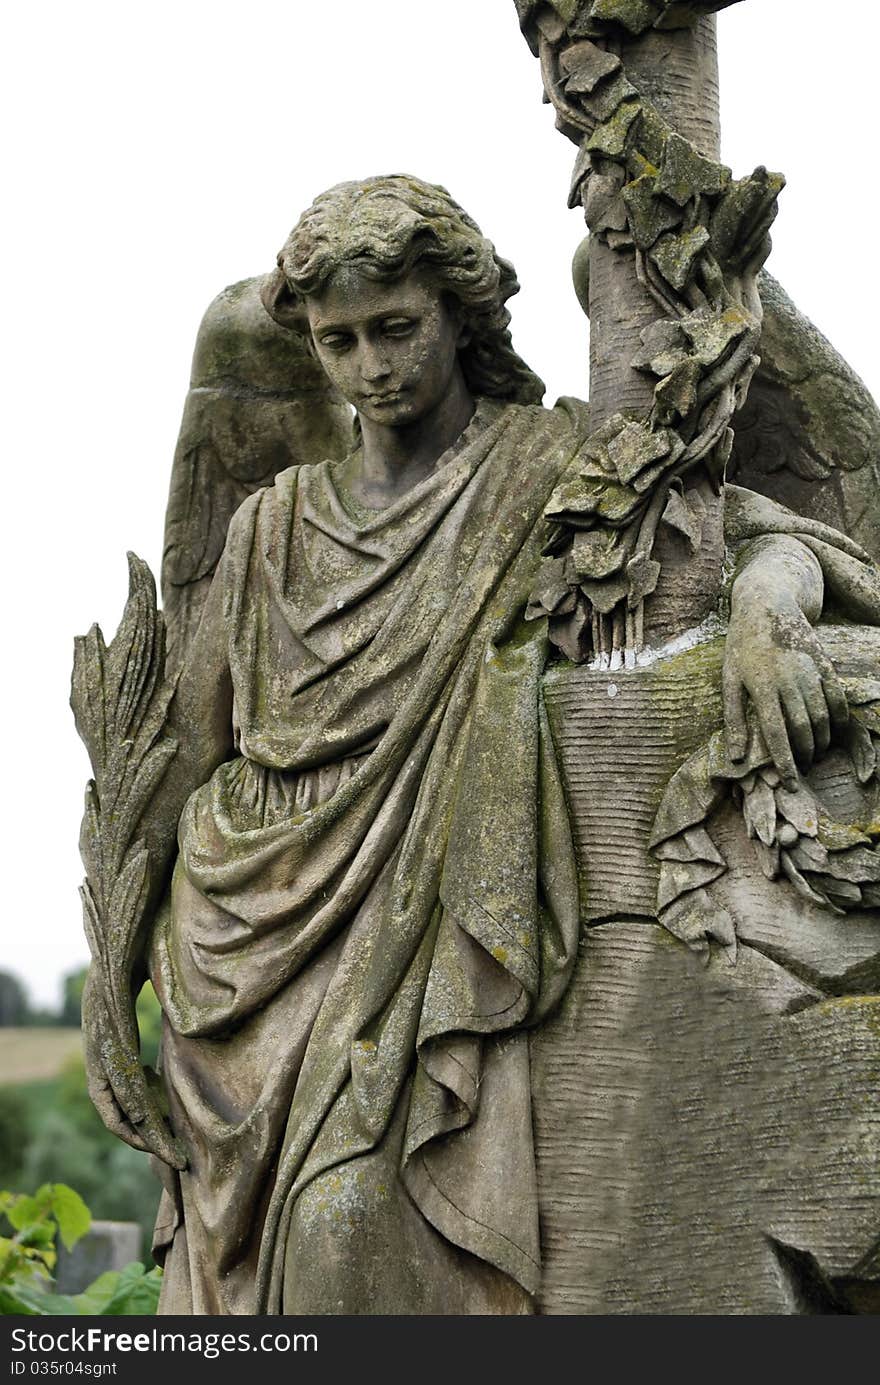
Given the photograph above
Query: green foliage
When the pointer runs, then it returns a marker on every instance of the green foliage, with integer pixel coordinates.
(133, 1291)
(68, 1141)
(53, 1203)
(72, 992)
(14, 1131)
(50, 1131)
(28, 1256)
(13, 1001)
(149, 1019)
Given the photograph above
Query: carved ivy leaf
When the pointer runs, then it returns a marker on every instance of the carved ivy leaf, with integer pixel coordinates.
(809, 855)
(684, 174)
(743, 215)
(648, 139)
(582, 171)
(695, 918)
(674, 255)
(597, 552)
(551, 593)
(711, 333)
(861, 691)
(675, 397)
(585, 64)
(610, 137)
(603, 205)
(642, 575)
(664, 346)
(768, 859)
(837, 836)
(858, 865)
(687, 521)
(608, 96)
(605, 595)
(649, 215)
(635, 447)
(634, 15)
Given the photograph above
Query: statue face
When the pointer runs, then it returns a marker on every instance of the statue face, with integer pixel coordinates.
(391, 349)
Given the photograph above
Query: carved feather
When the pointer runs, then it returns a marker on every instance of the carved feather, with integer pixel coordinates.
(809, 433)
(258, 403)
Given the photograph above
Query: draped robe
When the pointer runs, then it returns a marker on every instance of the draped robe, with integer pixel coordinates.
(372, 899)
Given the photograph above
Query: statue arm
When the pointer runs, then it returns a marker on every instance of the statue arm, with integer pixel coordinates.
(774, 660)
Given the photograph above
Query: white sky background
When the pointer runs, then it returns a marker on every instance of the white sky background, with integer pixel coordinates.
(157, 153)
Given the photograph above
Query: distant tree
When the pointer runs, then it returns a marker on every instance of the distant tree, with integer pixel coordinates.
(14, 1007)
(14, 1132)
(71, 1005)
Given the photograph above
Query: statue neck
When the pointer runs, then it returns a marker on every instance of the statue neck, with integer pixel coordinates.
(393, 459)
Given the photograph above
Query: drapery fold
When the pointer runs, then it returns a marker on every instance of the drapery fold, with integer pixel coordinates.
(433, 892)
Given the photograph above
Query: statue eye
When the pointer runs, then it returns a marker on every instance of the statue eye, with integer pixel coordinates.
(397, 326)
(336, 341)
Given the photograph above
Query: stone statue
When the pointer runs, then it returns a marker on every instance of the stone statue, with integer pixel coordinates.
(501, 835)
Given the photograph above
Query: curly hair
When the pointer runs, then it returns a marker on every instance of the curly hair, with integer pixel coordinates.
(388, 226)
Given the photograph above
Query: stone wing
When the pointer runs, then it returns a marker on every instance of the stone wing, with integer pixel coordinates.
(258, 403)
(809, 433)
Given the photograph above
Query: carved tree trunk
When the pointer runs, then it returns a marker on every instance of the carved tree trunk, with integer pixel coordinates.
(678, 73)
(693, 1124)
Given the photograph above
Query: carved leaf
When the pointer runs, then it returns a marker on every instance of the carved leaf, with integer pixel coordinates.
(585, 65)
(799, 808)
(684, 173)
(120, 701)
(861, 749)
(684, 519)
(759, 810)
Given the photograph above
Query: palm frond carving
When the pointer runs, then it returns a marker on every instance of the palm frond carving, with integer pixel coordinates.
(120, 700)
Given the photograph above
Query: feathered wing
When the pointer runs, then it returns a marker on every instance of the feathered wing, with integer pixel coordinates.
(809, 433)
(257, 403)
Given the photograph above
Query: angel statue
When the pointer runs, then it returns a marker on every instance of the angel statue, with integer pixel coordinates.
(501, 836)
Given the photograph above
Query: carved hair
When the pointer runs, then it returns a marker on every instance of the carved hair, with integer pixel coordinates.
(387, 227)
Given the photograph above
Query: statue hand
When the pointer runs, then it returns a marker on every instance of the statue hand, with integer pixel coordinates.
(774, 658)
(99, 1086)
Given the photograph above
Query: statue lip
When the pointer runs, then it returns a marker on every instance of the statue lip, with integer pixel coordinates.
(389, 397)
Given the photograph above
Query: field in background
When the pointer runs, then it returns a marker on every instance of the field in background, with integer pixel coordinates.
(36, 1055)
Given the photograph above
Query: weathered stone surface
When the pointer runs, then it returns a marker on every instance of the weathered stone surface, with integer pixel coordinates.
(688, 1119)
(621, 735)
(493, 983)
(809, 435)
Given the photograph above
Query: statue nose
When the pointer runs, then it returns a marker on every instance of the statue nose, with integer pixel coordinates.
(374, 365)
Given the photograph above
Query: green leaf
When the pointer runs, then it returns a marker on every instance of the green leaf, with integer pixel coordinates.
(22, 1211)
(16, 1299)
(121, 1293)
(71, 1214)
(39, 1234)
